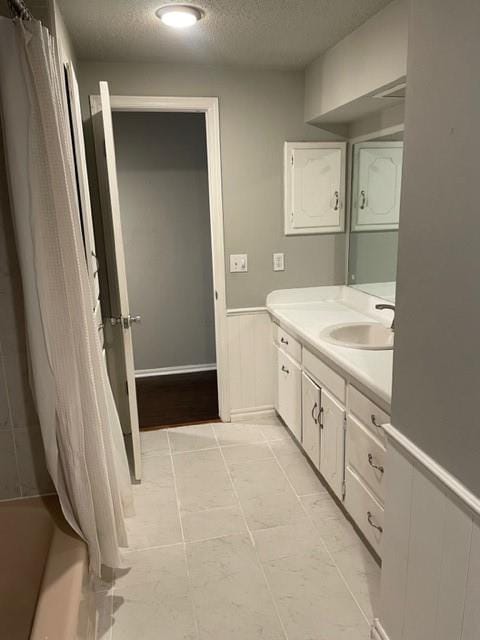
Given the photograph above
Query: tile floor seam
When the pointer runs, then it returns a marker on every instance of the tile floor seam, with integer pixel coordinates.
(340, 573)
(252, 539)
(187, 568)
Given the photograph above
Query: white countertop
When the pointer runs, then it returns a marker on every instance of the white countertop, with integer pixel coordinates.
(306, 312)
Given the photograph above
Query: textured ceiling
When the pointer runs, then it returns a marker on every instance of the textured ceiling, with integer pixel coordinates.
(273, 33)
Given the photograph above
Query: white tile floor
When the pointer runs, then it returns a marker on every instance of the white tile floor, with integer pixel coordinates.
(236, 539)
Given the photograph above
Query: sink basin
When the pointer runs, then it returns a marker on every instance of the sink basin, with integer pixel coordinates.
(360, 335)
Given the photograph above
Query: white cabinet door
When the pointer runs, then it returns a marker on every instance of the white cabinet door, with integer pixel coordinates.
(311, 419)
(332, 445)
(377, 184)
(314, 187)
(289, 390)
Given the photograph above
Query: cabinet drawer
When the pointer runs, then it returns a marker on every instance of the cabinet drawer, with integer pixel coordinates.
(288, 344)
(366, 456)
(324, 375)
(364, 509)
(367, 412)
(289, 393)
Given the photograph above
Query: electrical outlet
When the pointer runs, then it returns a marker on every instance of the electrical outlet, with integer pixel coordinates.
(279, 262)
(238, 263)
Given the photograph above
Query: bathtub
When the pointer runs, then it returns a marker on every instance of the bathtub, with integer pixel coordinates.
(44, 580)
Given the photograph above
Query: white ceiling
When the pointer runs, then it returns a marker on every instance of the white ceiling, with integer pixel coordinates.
(271, 33)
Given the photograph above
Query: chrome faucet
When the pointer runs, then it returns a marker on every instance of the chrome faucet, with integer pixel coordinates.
(382, 306)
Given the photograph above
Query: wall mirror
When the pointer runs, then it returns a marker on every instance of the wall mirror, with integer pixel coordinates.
(374, 214)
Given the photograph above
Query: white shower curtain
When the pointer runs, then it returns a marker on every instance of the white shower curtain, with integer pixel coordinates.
(80, 427)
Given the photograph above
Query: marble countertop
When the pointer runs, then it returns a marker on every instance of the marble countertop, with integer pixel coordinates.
(306, 312)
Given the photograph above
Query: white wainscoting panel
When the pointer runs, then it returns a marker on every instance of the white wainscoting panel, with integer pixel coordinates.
(250, 360)
(431, 557)
(398, 499)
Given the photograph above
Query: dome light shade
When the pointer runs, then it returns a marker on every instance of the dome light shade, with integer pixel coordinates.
(179, 16)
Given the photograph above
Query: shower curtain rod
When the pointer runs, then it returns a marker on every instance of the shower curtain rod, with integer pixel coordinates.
(18, 9)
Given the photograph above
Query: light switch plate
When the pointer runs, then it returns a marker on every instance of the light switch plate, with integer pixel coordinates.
(238, 263)
(279, 262)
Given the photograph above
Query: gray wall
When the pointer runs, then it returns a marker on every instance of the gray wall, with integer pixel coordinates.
(259, 110)
(22, 462)
(437, 358)
(166, 225)
(373, 256)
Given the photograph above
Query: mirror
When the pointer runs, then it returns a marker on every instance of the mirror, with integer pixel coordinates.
(374, 215)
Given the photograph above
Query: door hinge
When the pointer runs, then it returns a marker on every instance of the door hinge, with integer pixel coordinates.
(292, 160)
(126, 387)
(216, 295)
(344, 490)
(345, 421)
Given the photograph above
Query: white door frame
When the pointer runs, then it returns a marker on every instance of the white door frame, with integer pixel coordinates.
(208, 106)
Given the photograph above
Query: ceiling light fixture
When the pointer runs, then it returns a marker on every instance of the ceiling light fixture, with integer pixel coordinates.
(179, 16)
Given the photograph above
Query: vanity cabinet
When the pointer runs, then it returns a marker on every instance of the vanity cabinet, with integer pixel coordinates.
(311, 418)
(332, 442)
(365, 465)
(314, 180)
(289, 392)
(339, 428)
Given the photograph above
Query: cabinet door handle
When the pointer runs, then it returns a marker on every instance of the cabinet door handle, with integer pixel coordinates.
(315, 419)
(374, 421)
(283, 341)
(284, 369)
(372, 523)
(364, 199)
(337, 201)
(320, 417)
(379, 467)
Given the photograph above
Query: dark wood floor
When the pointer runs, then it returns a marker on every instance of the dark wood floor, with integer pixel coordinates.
(186, 398)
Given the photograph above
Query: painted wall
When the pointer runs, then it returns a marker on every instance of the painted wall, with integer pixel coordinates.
(22, 462)
(166, 225)
(372, 56)
(437, 365)
(259, 110)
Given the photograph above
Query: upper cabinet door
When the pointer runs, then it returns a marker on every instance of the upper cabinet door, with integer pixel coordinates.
(377, 184)
(314, 187)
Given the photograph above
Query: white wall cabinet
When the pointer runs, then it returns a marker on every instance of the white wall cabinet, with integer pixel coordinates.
(311, 414)
(376, 187)
(314, 187)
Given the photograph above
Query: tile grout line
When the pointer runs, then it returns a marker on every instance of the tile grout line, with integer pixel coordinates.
(190, 592)
(252, 539)
(344, 580)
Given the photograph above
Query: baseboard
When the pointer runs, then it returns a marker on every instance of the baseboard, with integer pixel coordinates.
(251, 412)
(169, 371)
(377, 632)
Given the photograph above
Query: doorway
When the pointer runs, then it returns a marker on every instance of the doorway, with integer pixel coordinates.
(159, 378)
(165, 214)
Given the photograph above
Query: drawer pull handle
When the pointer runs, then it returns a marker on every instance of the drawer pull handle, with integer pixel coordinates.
(320, 417)
(284, 369)
(379, 467)
(374, 421)
(315, 419)
(283, 341)
(372, 523)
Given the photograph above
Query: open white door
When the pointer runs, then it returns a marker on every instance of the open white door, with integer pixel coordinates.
(118, 328)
